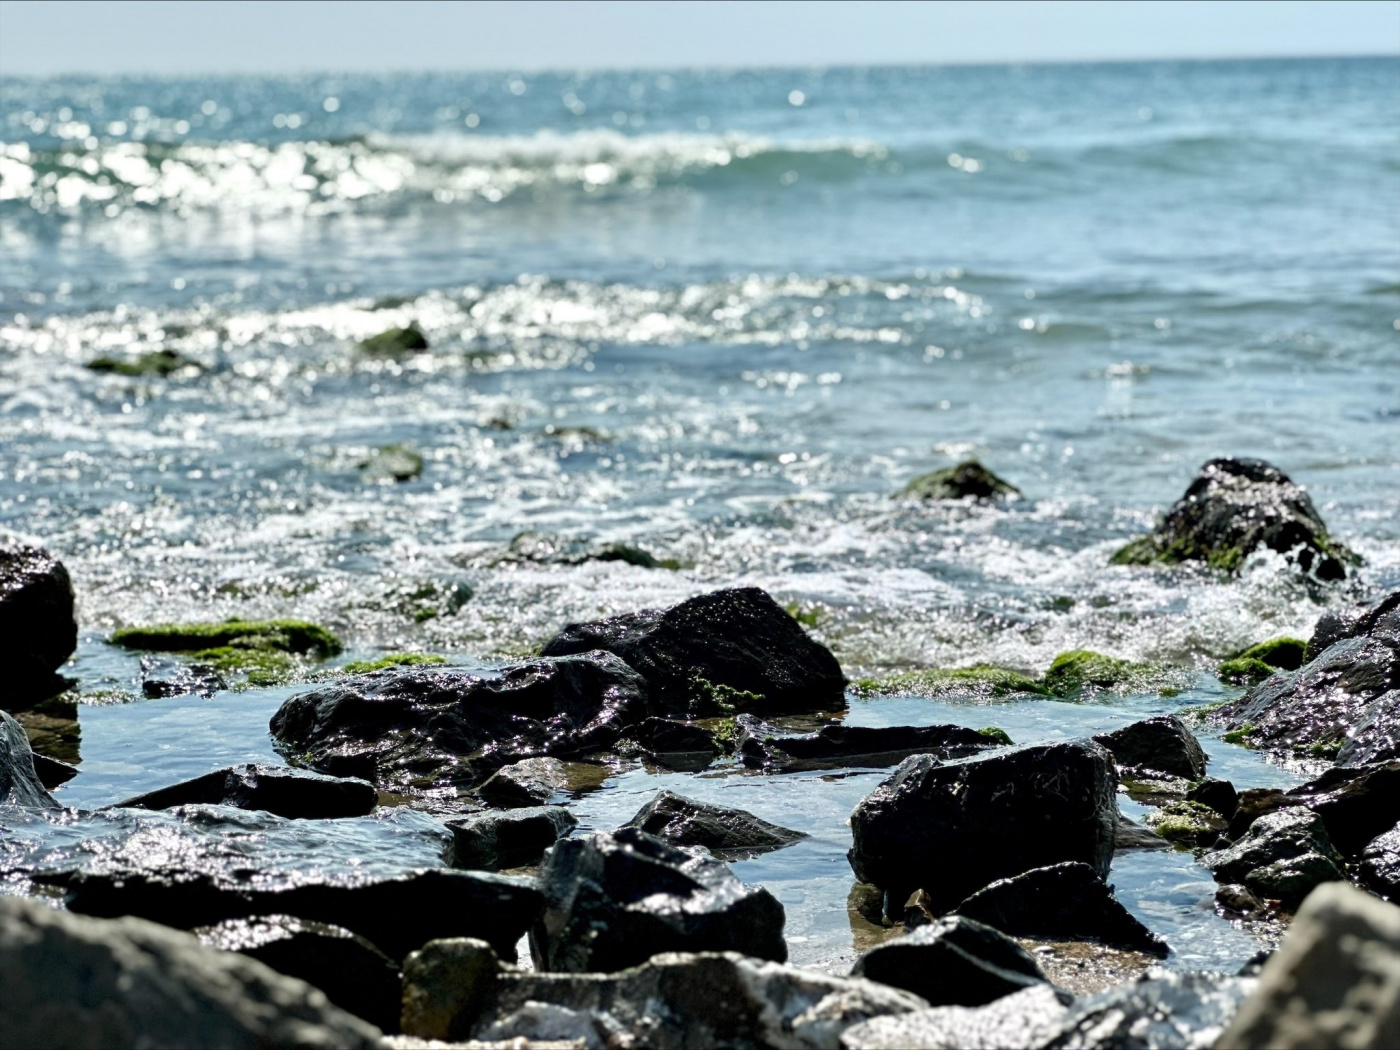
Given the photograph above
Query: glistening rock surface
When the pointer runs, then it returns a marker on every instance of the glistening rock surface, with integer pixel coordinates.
(1283, 856)
(37, 629)
(833, 747)
(968, 480)
(292, 793)
(19, 783)
(1162, 744)
(1020, 1021)
(683, 821)
(952, 962)
(514, 838)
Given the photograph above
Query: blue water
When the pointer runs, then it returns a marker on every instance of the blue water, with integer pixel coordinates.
(719, 315)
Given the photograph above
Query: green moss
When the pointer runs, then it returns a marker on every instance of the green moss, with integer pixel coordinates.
(977, 680)
(1188, 824)
(392, 660)
(725, 733)
(397, 462)
(1244, 671)
(395, 341)
(158, 363)
(287, 636)
(1239, 736)
(996, 735)
(1326, 749)
(260, 666)
(1141, 551)
(1260, 661)
(968, 480)
(633, 556)
(708, 697)
(807, 616)
(1080, 670)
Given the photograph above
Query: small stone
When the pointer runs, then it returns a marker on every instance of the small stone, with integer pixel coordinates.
(492, 841)
(1020, 1021)
(1187, 824)
(725, 832)
(1219, 795)
(531, 782)
(397, 462)
(1236, 898)
(1282, 856)
(395, 341)
(1163, 744)
(968, 480)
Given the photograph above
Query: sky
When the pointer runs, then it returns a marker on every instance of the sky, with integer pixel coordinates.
(289, 36)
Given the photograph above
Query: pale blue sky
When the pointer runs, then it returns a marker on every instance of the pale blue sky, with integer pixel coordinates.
(293, 36)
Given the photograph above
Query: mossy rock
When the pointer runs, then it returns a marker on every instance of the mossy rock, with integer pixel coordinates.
(590, 435)
(427, 599)
(1260, 661)
(980, 680)
(997, 735)
(156, 363)
(968, 480)
(808, 616)
(393, 660)
(397, 462)
(287, 636)
(1082, 670)
(1187, 824)
(395, 342)
(710, 699)
(259, 666)
(1240, 736)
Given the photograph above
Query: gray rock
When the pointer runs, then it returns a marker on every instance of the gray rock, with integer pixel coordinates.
(1161, 1010)
(1283, 856)
(446, 985)
(1334, 981)
(1019, 1021)
(19, 783)
(1356, 804)
(614, 900)
(1131, 835)
(491, 841)
(1162, 744)
(952, 828)
(287, 792)
(37, 629)
(725, 832)
(531, 782)
(1379, 870)
(72, 981)
(952, 962)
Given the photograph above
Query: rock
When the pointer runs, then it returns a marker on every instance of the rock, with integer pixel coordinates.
(1253, 803)
(1219, 795)
(19, 783)
(394, 342)
(1152, 788)
(52, 727)
(51, 772)
(1061, 901)
(73, 981)
(1233, 897)
(682, 821)
(411, 728)
(1258, 662)
(666, 736)
(1020, 1021)
(292, 793)
(531, 783)
(615, 900)
(1130, 835)
(564, 550)
(999, 814)
(491, 841)
(155, 364)
(1162, 1010)
(834, 747)
(1233, 508)
(968, 480)
(287, 636)
(162, 676)
(355, 975)
(674, 1001)
(37, 629)
(1355, 804)
(1334, 981)
(1282, 856)
(1083, 670)
(979, 680)
(716, 653)
(952, 962)
(398, 915)
(1163, 744)
(1188, 824)
(390, 660)
(1379, 870)
(396, 462)
(1355, 621)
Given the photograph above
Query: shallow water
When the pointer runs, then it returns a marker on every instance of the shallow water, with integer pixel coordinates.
(721, 316)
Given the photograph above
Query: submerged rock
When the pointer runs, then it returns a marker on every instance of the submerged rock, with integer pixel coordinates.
(722, 651)
(1334, 981)
(1283, 856)
(1163, 744)
(37, 629)
(397, 462)
(1130, 835)
(395, 341)
(1020, 1021)
(287, 636)
(1068, 901)
(154, 364)
(51, 772)
(163, 676)
(292, 793)
(544, 549)
(414, 727)
(979, 680)
(832, 747)
(614, 900)
(74, 981)
(683, 821)
(953, 962)
(682, 746)
(968, 480)
(1233, 508)
(531, 782)
(492, 841)
(355, 975)
(19, 783)
(1083, 670)
(999, 815)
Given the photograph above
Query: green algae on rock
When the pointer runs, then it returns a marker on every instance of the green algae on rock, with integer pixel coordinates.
(979, 680)
(397, 462)
(287, 636)
(1188, 824)
(392, 660)
(395, 341)
(157, 363)
(997, 735)
(968, 480)
(1260, 661)
(1082, 670)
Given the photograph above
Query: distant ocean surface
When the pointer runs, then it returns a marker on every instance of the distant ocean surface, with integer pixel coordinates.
(720, 316)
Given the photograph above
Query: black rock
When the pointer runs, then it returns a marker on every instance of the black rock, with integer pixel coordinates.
(163, 676)
(412, 728)
(1163, 744)
(726, 650)
(1355, 804)
(951, 829)
(1379, 870)
(292, 793)
(683, 821)
(666, 736)
(531, 783)
(1219, 795)
(968, 480)
(396, 914)
(1131, 835)
(37, 629)
(953, 962)
(1233, 508)
(1283, 856)
(1356, 621)
(492, 840)
(615, 900)
(833, 747)
(19, 783)
(1062, 901)
(354, 974)
(51, 772)
(1160, 1010)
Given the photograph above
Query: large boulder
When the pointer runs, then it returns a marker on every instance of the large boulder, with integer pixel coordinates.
(494, 840)
(74, 981)
(1233, 508)
(19, 783)
(1283, 856)
(1162, 745)
(725, 832)
(950, 829)
(952, 962)
(1334, 981)
(292, 793)
(412, 728)
(1356, 804)
(835, 747)
(722, 651)
(615, 900)
(1020, 1021)
(37, 629)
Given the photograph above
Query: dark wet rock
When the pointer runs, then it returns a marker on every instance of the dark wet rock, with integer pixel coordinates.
(1219, 795)
(155, 364)
(1259, 662)
(1283, 856)
(1188, 824)
(952, 962)
(1162, 1010)
(1354, 621)
(162, 676)
(1334, 981)
(19, 783)
(531, 782)
(614, 900)
(674, 1001)
(355, 975)
(722, 651)
(491, 841)
(396, 914)
(1241, 900)
(1061, 901)
(833, 747)
(1130, 835)
(1379, 870)
(51, 772)
(411, 728)
(396, 462)
(1252, 804)
(1233, 508)
(37, 629)
(1162, 744)
(1020, 1021)
(1355, 804)
(666, 736)
(544, 549)
(999, 814)
(725, 832)
(292, 793)
(73, 981)
(968, 480)
(394, 342)
(52, 727)
(1083, 670)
